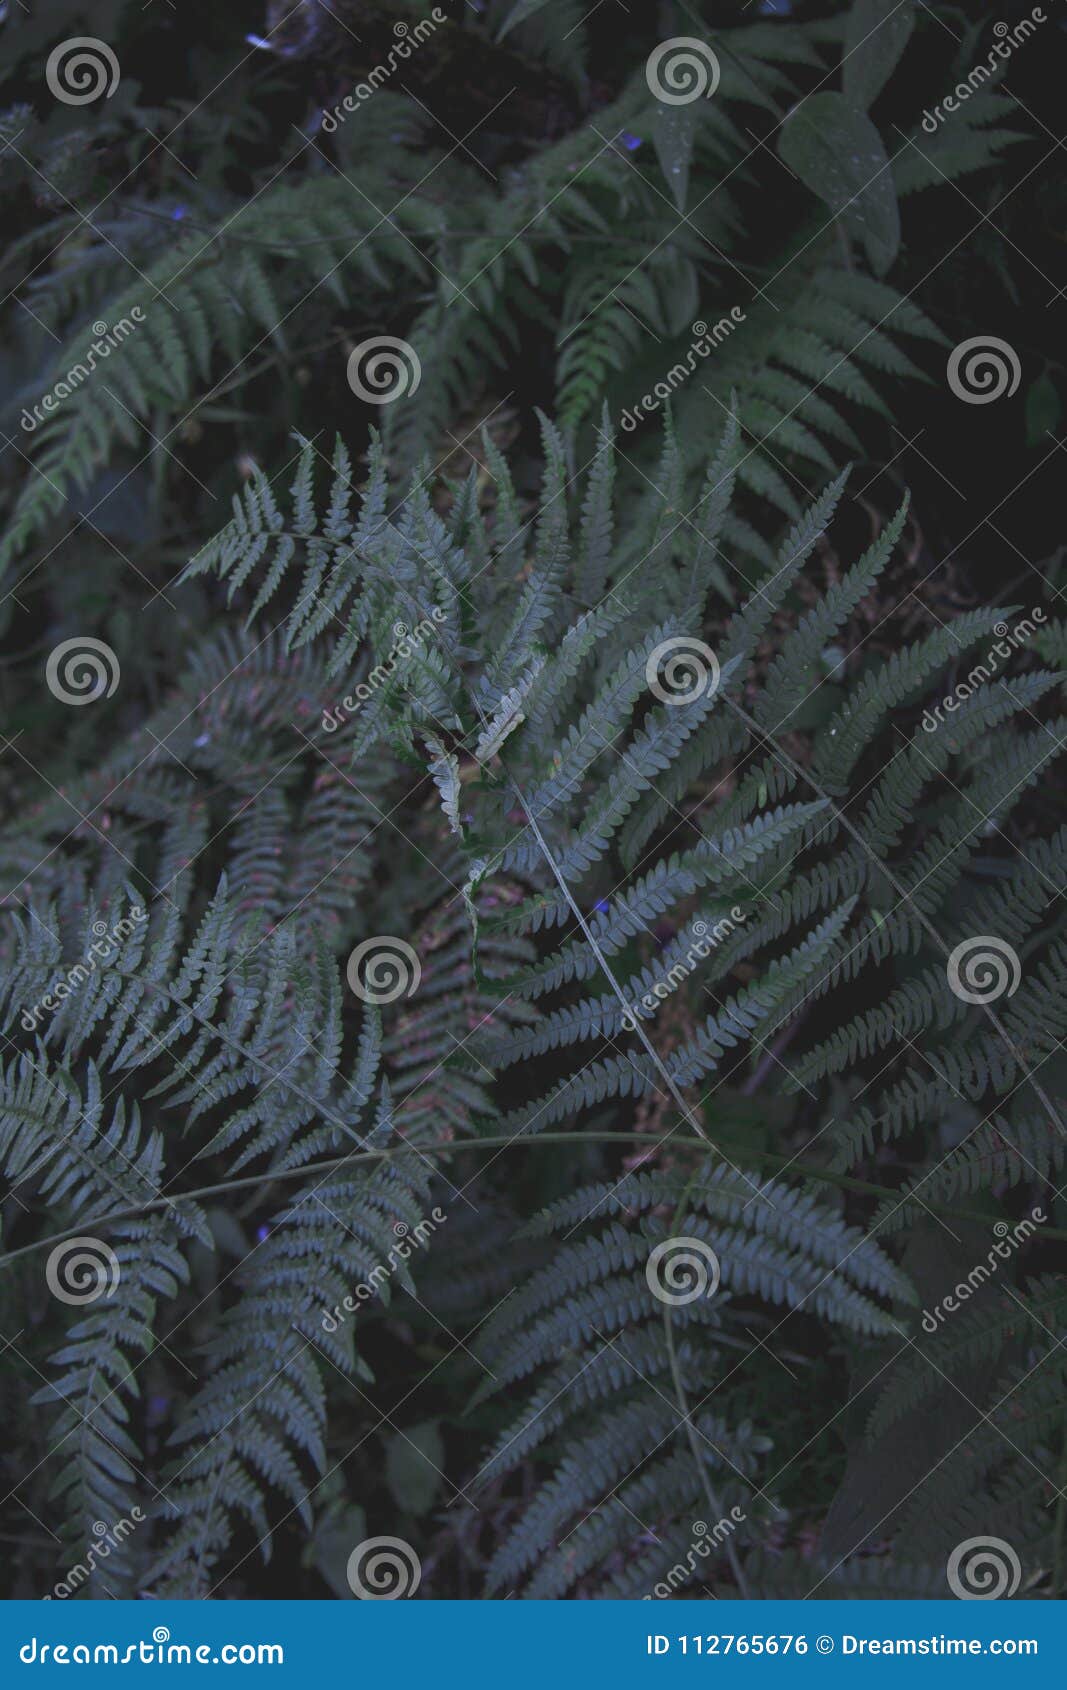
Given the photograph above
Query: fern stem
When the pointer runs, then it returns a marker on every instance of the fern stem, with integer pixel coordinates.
(698, 1456)
(771, 1055)
(500, 1142)
(285, 247)
(901, 891)
(683, 1406)
(1061, 1517)
(606, 966)
(332, 1164)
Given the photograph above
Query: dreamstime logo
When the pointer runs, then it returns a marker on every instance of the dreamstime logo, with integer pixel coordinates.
(983, 1569)
(982, 969)
(408, 1239)
(384, 968)
(682, 70)
(383, 369)
(983, 369)
(101, 950)
(698, 951)
(1009, 1239)
(681, 670)
(80, 70)
(679, 1270)
(408, 37)
(408, 643)
(107, 1538)
(81, 670)
(1007, 41)
(703, 344)
(107, 341)
(383, 1569)
(159, 1652)
(80, 1270)
(1008, 640)
(703, 1542)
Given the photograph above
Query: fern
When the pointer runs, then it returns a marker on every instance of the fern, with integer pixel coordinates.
(580, 748)
(523, 956)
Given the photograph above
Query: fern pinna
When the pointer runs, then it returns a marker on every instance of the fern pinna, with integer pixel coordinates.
(675, 935)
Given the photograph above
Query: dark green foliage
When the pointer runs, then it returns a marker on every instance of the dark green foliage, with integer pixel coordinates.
(623, 728)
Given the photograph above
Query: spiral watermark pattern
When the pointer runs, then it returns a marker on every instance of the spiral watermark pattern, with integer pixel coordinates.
(383, 369)
(983, 369)
(81, 1270)
(80, 70)
(682, 70)
(983, 969)
(983, 1569)
(382, 969)
(681, 670)
(81, 670)
(679, 1270)
(383, 1569)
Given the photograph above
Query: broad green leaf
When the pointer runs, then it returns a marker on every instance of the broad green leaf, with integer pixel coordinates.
(838, 153)
(1042, 409)
(876, 34)
(413, 1467)
(519, 13)
(330, 1548)
(673, 131)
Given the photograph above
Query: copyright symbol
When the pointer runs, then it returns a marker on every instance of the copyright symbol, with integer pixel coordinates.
(825, 1645)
